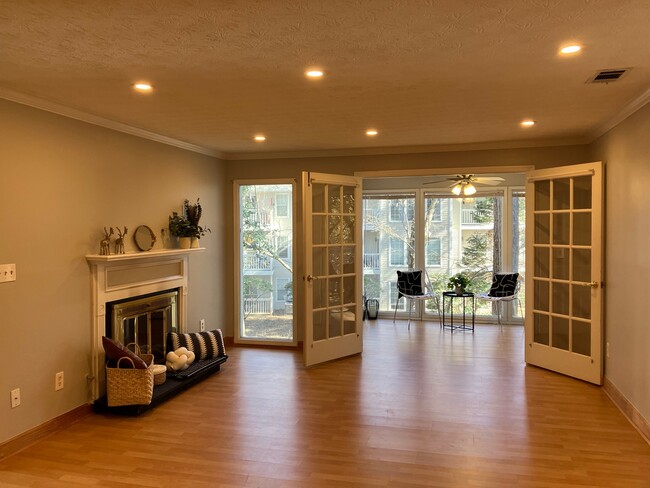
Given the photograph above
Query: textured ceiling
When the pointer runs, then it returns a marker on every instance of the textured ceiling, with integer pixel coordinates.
(423, 72)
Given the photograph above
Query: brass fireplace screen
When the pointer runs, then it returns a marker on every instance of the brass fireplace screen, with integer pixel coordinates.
(144, 320)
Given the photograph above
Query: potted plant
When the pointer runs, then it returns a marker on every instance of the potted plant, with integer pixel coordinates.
(180, 226)
(459, 283)
(193, 212)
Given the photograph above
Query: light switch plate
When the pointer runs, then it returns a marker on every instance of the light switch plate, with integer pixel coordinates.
(7, 272)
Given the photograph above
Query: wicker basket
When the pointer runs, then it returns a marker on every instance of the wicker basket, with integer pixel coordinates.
(159, 374)
(130, 386)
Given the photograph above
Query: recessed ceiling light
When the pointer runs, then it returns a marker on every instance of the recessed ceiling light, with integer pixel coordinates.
(143, 87)
(572, 49)
(260, 138)
(527, 123)
(372, 132)
(314, 73)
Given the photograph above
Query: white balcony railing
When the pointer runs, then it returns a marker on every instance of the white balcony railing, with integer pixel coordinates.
(371, 260)
(468, 216)
(257, 306)
(255, 262)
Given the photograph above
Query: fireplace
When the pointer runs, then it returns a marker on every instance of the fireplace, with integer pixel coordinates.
(120, 283)
(144, 320)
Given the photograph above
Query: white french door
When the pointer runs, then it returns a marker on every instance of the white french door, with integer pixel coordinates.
(564, 272)
(333, 266)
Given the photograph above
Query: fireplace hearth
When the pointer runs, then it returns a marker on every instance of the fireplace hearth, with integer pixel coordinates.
(126, 279)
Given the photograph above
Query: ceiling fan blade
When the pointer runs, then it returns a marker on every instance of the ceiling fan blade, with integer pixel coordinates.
(443, 180)
(488, 180)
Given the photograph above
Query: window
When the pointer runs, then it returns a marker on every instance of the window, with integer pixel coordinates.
(282, 247)
(282, 205)
(397, 207)
(392, 292)
(396, 254)
(433, 252)
(280, 289)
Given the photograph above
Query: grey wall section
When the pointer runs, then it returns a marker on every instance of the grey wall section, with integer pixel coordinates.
(61, 181)
(626, 153)
(542, 157)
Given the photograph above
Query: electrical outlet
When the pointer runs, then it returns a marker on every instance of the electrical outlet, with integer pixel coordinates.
(58, 381)
(202, 325)
(15, 398)
(7, 272)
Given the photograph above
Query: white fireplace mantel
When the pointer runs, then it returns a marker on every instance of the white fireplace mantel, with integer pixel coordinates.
(121, 276)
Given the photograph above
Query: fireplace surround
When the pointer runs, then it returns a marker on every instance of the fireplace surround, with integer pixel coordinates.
(124, 277)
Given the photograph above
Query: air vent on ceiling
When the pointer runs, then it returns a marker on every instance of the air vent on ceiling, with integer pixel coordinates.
(608, 75)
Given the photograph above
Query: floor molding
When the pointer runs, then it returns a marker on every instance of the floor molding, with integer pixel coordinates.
(629, 410)
(20, 442)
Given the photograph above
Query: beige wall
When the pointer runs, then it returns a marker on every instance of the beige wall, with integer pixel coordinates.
(626, 152)
(61, 181)
(542, 157)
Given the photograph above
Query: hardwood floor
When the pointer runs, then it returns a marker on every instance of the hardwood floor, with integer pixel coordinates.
(418, 409)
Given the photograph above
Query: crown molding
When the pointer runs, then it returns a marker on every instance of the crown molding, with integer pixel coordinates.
(636, 104)
(379, 151)
(82, 116)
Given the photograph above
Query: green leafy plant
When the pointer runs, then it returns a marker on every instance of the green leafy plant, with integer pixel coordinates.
(180, 226)
(460, 280)
(192, 212)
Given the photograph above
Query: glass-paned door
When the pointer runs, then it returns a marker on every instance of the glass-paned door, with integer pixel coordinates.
(333, 266)
(264, 293)
(564, 270)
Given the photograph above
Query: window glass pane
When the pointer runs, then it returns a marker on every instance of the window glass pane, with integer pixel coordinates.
(266, 293)
(560, 336)
(541, 329)
(581, 337)
(282, 205)
(542, 195)
(518, 205)
(561, 232)
(582, 228)
(561, 191)
(582, 192)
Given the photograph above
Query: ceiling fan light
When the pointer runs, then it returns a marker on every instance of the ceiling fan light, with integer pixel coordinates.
(469, 189)
(457, 189)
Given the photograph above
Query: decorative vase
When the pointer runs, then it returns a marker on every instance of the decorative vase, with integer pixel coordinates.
(195, 242)
(185, 242)
(459, 290)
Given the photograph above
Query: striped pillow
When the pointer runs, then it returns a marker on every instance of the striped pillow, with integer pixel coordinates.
(205, 345)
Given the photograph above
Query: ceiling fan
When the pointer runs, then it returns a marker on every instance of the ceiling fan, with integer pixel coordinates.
(464, 184)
